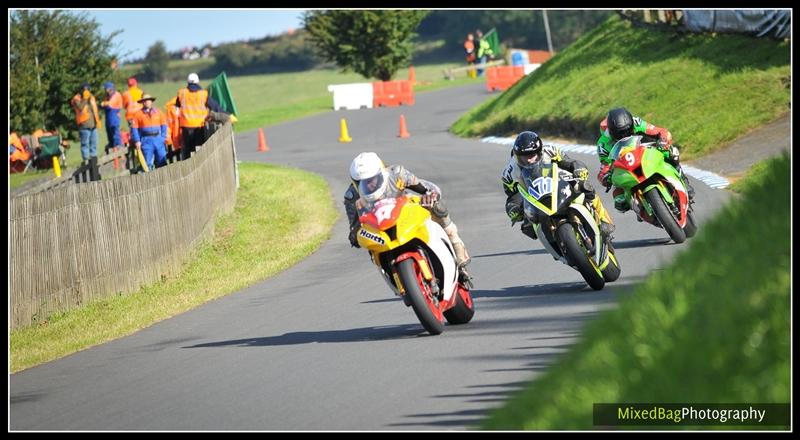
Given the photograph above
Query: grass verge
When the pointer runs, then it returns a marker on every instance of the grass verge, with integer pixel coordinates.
(707, 89)
(712, 327)
(269, 231)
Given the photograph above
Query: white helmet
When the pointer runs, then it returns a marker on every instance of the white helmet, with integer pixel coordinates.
(193, 79)
(368, 171)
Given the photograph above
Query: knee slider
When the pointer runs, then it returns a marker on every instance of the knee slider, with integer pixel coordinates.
(439, 209)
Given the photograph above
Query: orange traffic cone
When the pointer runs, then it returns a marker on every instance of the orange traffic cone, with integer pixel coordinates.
(412, 77)
(344, 136)
(262, 142)
(403, 130)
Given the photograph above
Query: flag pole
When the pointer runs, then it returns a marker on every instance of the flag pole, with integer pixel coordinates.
(547, 31)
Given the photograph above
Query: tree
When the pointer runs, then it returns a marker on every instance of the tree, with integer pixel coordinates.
(51, 53)
(373, 43)
(155, 62)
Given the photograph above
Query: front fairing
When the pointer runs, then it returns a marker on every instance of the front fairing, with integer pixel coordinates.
(544, 187)
(390, 223)
(636, 163)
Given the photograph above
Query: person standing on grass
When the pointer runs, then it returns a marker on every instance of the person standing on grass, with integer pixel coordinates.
(88, 119)
(194, 103)
(149, 133)
(112, 106)
(469, 51)
(130, 100)
(173, 131)
(485, 52)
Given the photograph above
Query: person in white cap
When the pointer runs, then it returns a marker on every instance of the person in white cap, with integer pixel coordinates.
(194, 103)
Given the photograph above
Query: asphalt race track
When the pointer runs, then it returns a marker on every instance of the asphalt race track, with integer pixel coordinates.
(325, 345)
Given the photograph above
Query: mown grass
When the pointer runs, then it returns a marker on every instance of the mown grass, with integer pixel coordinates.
(273, 98)
(269, 231)
(705, 88)
(712, 327)
(264, 100)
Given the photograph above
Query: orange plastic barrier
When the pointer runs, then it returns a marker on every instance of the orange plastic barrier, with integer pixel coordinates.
(392, 93)
(503, 77)
(538, 56)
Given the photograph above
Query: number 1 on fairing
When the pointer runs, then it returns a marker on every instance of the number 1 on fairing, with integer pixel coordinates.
(540, 187)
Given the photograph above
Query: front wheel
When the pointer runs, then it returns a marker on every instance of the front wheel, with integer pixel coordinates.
(579, 257)
(425, 307)
(664, 216)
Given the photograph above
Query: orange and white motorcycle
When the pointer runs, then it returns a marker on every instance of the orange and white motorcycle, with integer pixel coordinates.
(417, 261)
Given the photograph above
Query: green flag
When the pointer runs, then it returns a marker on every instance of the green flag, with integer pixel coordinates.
(220, 91)
(494, 42)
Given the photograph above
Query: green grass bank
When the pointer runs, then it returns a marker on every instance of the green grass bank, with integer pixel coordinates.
(712, 327)
(707, 89)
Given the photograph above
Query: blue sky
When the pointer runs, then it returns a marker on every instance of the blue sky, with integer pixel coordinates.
(180, 28)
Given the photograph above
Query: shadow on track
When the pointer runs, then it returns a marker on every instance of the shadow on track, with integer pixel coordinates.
(381, 333)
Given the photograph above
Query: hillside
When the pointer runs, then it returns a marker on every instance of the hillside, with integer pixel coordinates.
(706, 88)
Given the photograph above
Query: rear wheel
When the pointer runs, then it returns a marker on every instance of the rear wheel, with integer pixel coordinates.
(664, 216)
(578, 256)
(425, 306)
(463, 310)
(691, 227)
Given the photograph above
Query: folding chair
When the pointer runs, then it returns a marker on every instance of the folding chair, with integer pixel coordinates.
(50, 147)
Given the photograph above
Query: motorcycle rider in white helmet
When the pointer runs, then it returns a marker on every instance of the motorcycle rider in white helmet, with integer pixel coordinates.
(372, 181)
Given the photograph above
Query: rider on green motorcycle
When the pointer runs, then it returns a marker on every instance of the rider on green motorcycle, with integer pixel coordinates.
(620, 124)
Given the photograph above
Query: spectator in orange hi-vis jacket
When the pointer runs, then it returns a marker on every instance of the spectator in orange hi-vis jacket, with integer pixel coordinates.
(112, 106)
(87, 119)
(149, 132)
(173, 129)
(130, 100)
(194, 103)
(18, 155)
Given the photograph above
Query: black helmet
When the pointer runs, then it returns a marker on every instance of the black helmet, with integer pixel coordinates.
(620, 123)
(526, 145)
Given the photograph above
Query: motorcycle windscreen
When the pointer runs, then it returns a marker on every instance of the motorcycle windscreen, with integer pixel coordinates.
(383, 214)
(541, 187)
(623, 145)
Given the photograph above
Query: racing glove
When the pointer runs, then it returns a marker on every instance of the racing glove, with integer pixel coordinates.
(429, 198)
(604, 176)
(514, 212)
